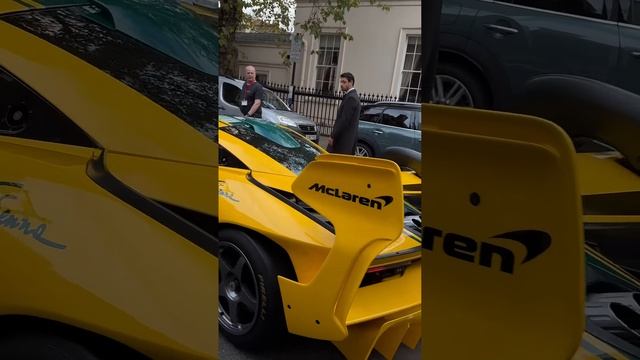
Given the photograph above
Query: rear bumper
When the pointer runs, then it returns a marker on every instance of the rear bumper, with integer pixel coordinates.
(382, 316)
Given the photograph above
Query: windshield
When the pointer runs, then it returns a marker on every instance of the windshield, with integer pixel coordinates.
(174, 27)
(288, 149)
(272, 101)
(178, 74)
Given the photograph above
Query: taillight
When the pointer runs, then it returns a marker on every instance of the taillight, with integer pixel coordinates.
(376, 274)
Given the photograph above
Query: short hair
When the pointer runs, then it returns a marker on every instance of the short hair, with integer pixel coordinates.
(349, 76)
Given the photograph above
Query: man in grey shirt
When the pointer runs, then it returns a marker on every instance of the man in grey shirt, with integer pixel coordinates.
(252, 94)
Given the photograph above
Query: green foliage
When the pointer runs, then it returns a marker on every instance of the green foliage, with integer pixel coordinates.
(231, 16)
(275, 16)
(332, 10)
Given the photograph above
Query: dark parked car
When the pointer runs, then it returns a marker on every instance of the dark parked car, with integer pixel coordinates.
(388, 124)
(489, 49)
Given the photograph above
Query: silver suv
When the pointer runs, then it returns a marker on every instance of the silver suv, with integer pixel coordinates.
(273, 109)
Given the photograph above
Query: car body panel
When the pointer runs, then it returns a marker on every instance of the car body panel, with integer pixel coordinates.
(272, 174)
(139, 299)
(410, 178)
(384, 335)
(68, 81)
(381, 136)
(510, 306)
(602, 173)
(406, 296)
(85, 247)
(628, 68)
(142, 174)
(260, 163)
(377, 133)
(509, 43)
(243, 204)
(11, 6)
(252, 157)
(610, 273)
(320, 307)
(249, 200)
(299, 119)
(526, 53)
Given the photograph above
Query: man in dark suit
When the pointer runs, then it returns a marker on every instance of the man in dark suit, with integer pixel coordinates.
(345, 130)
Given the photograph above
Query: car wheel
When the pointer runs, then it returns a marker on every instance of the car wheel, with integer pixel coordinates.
(42, 346)
(250, 311)
(456, 85)
(363, 150)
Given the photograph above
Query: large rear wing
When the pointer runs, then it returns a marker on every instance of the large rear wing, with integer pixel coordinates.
(362, 197)
(503, 274)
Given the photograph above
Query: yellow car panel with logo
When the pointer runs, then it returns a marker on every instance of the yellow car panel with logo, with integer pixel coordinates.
(326, 300)
(89, 234)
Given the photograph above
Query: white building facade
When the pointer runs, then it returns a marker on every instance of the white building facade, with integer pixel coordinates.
(384, 55)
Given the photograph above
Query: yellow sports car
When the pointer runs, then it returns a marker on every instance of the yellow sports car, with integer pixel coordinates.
(313, 244)
(521, 229)
(107, 216)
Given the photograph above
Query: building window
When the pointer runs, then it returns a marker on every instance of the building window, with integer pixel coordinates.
(411, 71)
(262, 78)
(328, 53)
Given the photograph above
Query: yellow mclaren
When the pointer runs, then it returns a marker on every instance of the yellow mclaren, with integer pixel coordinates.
(107, 218)
(314, 244)
(530, 221)
(530, 226)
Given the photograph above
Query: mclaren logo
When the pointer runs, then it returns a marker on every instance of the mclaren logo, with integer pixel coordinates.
(484, 253)
(376, 203)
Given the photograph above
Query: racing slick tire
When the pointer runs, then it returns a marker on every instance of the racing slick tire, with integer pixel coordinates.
(250, 312)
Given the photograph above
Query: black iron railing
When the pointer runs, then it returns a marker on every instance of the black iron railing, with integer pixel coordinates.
(320, 106)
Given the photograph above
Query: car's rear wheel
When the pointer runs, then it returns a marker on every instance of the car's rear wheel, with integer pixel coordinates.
(458, 86)
(363, 150)
(28, 346)
(250, 311)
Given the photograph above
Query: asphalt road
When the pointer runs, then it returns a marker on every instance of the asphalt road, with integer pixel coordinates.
(296, 347)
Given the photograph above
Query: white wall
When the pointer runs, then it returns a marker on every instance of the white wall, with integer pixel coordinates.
(376, 54)
(266, 59)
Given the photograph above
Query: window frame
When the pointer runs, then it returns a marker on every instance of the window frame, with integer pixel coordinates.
(401, 51)
(236, 102)
(417, 120)
(336, 67)
(398, 108)
(612, 18)
(378, 115)
(412, 71)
